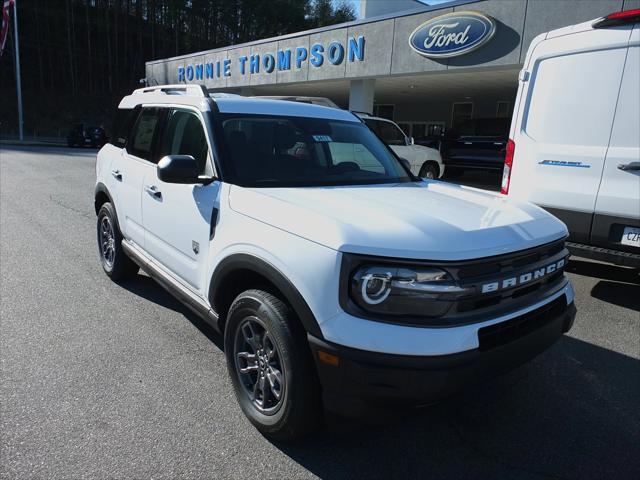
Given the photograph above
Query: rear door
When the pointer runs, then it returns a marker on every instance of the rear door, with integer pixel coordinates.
(128, 172)
(564, 123)
(616, 223)
(178, 218)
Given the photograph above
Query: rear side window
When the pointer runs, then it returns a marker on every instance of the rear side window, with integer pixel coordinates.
(142, 139)
(574, 98)
(122, 126)
(184, 135)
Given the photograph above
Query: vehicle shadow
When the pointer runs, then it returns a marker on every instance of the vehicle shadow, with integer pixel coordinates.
(604, 271)
(147, 288)
(618, 285)
(622, 294)
(571, 413)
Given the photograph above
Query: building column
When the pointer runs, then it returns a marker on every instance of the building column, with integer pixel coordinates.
(361, 95)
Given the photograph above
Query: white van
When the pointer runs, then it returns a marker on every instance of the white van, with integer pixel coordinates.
(575, 134)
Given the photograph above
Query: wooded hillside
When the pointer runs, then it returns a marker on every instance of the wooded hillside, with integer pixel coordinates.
(79, 57)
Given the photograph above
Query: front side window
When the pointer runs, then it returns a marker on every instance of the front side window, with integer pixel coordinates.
(184, 135)
(275, 151)
(391, 134)
(144, 133)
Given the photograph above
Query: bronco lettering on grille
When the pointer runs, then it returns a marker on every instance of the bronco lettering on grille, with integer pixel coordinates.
(523, 278)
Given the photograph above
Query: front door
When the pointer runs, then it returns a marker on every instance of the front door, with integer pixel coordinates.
(177, 217)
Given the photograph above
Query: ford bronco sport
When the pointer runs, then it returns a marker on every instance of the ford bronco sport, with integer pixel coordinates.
(337, 278)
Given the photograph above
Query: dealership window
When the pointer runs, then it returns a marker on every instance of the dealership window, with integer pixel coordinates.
(384, 111)
(461, 112)
(503, 110)
(435, 129)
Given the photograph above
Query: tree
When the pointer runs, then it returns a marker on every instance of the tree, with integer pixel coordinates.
(89, 53)
(323, 13)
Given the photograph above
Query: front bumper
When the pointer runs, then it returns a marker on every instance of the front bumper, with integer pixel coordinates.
(360, 378)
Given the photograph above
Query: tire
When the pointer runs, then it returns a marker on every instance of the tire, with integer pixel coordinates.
(114, 260)
(263, 338)
(429, 170)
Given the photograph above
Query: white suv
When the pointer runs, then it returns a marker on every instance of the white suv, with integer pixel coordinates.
(423, 161)
(332, 272)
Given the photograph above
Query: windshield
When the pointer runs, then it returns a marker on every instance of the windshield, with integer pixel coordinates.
(278, 151)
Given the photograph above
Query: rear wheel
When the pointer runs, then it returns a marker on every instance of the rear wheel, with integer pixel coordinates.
(114, 260)
(270, 367)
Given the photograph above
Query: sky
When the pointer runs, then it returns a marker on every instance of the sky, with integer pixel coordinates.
(356, 3)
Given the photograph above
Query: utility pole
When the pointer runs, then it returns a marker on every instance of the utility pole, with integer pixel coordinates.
(18, 78)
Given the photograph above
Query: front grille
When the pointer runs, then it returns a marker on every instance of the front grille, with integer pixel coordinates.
(477, 273)
(502, 333)
(507, 263)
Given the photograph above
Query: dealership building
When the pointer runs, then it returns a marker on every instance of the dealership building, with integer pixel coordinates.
(426, 67)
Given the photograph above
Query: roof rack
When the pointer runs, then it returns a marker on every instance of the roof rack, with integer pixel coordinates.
(180, 89)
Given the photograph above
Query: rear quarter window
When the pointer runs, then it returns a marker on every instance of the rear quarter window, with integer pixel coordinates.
(125, 117)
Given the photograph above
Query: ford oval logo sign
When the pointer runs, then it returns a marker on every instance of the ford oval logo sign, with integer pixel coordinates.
(452, 34)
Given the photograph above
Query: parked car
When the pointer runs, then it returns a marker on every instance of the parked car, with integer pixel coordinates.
(423, 161)
(477, 144)
(80, 136)
(431, 141)
(344, 281)
(575, 147)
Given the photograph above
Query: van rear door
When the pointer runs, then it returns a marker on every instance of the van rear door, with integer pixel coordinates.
(616, 223)
(565, 112)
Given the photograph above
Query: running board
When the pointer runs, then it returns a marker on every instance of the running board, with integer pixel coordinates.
(626, 259)
(188, 298)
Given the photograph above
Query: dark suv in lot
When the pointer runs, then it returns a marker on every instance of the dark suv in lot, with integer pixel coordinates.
(82, 136)
(476, 144)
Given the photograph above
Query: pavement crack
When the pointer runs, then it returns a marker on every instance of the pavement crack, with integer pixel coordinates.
(60, 203)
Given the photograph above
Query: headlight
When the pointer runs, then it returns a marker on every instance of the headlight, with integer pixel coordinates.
(404, 291)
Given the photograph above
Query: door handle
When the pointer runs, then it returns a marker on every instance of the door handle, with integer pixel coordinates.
(117, 175)
(153, 191)
(629, 166)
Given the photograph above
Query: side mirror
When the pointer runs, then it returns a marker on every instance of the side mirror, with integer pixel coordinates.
(412, 141)
(181, 169)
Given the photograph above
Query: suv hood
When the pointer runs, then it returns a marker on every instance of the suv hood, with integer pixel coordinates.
(423, 220)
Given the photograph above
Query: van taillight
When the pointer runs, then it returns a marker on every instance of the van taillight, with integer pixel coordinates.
(508, 165)
(618, 18)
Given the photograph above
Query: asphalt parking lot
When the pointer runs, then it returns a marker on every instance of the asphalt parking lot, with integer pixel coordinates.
(99, 380)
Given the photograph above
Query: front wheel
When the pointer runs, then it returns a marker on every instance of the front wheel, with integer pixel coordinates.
(271, 368)
(429, 171)
(114, 260)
